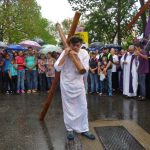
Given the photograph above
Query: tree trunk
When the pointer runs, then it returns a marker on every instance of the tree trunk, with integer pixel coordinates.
(118, 22)
(143, 17)
(1, 33)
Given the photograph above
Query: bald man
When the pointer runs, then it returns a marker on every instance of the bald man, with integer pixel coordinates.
(129, 64)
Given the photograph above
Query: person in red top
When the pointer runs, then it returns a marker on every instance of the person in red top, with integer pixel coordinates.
(20, 61)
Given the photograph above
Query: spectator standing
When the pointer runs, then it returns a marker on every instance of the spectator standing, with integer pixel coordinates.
(50, 70)
(143, 69)
(108, 69)
(1, 72)
(93, 71)
(20, 61)
(120, 70)
(6, 74)
(42, 72)
(115, 63)
(101, 66)
(31, 71)
(13, 76)
(129, 65)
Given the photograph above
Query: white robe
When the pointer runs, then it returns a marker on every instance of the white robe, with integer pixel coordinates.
(73, 93)
(126, 75)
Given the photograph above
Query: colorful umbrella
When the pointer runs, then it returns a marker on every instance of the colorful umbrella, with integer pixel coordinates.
(29, 43)
(50, 48)
(15, 47)
(96, 46)
(2, 44)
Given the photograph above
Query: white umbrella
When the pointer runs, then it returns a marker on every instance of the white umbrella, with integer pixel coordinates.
(28, 43)
(50, 48)
(2, 44)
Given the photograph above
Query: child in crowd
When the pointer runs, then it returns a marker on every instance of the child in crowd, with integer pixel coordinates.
(101, 66)
(42, 72)
(13, 76)
(1, 72)
(20, 61)
(50, 70)
(6, 74)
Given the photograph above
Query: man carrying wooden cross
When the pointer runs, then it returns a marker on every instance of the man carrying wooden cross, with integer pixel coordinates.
(72, 89)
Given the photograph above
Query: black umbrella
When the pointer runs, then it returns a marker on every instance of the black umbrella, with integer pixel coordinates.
(115, 46)
(39, 41)
(96, 46)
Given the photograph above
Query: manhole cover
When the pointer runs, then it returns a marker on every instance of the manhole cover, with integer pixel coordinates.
(117, 138)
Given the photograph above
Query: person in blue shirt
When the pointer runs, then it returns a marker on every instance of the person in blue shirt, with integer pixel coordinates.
(13, 76)
(6, 74)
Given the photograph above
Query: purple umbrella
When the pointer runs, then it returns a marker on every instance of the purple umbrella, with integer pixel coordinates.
(29, 43)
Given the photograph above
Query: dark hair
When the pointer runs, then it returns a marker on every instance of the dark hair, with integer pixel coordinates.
(7, 54)
(105, 48)
(30, 48)
(75, 40)
(138, 44)
(50, 53)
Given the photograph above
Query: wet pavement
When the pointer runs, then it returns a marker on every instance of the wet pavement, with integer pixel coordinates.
(20, 128)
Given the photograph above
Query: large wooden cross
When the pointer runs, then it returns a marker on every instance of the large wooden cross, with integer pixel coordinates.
(135, 18)
(57, 74)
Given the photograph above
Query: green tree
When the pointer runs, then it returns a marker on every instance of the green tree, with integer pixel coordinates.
(20, 20)
(107, 19)
(66, 23)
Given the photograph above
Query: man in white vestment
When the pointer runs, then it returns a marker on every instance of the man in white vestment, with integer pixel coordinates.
(73, 91)
(129, 64)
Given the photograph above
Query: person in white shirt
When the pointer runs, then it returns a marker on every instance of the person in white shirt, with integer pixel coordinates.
(114, 69)
(73, 90)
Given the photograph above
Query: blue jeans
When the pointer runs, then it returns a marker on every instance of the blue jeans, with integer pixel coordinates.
(94, 82)
(142, 80)
(49, 81)
(31, 79)
(20, 81)
(109, 81)
(42, 81)
(103, 86)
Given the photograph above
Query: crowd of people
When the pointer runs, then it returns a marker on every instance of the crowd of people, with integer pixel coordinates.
(118, 71)
(110, 71)
(29, 71)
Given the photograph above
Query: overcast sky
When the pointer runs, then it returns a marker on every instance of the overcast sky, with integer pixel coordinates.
(55, 10)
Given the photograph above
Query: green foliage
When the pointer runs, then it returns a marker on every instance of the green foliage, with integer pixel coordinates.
(21, 19)
(104, 16)
(128, 42)
(66, 23)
